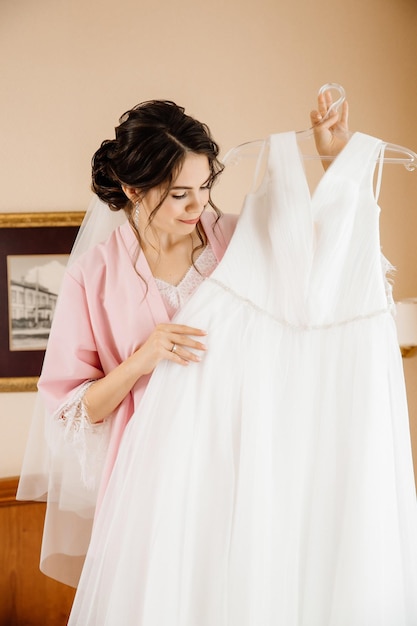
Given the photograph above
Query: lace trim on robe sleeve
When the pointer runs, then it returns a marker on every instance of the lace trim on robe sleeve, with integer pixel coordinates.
(72, 413)
(88, 441)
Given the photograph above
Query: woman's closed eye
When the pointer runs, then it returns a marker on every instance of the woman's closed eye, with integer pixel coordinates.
(181, 196)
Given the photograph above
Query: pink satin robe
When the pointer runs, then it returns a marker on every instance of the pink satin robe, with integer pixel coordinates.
(105, 311)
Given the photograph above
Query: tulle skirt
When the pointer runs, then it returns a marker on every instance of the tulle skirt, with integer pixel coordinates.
(270, 485)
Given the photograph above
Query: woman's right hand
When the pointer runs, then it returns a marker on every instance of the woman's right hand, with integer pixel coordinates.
(106, 394)
(173, 342)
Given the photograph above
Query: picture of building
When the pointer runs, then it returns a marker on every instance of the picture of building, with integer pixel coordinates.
(33, 291)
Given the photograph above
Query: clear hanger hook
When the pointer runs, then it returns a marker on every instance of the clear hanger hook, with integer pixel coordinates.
(335, 105)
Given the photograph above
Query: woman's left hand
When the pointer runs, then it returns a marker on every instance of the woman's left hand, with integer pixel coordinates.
(330, 134)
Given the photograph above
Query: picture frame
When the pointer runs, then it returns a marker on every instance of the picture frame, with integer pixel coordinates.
(25, 238)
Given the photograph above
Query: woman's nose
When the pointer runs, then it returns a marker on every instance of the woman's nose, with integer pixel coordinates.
(196, 202)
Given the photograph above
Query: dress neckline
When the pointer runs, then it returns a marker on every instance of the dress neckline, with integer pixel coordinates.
(328, 173)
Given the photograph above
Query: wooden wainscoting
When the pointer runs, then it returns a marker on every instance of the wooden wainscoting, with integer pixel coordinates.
(27, 597)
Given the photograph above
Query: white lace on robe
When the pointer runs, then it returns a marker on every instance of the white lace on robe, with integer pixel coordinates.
(89, 441)
(175, 296)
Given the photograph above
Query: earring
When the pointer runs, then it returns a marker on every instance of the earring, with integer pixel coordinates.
(136, 213)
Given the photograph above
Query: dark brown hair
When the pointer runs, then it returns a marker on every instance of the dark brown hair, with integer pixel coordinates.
(151, 143)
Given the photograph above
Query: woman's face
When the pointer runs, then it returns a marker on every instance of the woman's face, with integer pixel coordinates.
(186, 199)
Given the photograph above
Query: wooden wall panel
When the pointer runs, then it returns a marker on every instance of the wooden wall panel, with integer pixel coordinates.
(27, 597)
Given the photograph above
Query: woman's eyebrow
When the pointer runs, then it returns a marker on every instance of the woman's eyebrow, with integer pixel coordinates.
(206, 182)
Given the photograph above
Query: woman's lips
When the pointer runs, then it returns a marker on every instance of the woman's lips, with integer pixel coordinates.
(194, 221)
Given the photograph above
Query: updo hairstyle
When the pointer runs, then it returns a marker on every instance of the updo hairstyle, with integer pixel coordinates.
(152, 141)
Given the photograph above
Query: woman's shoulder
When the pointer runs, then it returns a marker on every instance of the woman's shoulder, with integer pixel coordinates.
(226, 223)
(219, 231)
(229, 220)
(102, 254)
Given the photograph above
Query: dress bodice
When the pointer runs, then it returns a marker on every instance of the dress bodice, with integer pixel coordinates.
(316, 246)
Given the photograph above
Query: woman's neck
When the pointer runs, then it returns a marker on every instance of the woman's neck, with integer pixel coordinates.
(170, 257)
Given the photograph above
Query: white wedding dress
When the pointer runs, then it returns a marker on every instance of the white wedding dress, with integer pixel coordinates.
(272, 483)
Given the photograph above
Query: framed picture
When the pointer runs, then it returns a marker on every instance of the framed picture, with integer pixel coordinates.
(34, 250)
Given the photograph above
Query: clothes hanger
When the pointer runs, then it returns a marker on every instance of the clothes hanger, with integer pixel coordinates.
(249, 149)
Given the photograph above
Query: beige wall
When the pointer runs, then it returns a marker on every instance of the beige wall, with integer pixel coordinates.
(69, 68)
